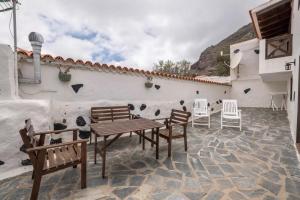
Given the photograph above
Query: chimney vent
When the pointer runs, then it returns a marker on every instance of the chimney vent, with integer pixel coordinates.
(36, 41)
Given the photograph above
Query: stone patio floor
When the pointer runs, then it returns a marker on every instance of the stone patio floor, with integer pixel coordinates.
(258, 163)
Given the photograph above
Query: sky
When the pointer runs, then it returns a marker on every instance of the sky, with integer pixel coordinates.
(132, 33)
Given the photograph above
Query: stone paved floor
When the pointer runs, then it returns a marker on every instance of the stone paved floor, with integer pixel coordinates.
(258, 163)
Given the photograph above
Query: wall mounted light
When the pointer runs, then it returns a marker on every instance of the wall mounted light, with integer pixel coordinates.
(288, 65)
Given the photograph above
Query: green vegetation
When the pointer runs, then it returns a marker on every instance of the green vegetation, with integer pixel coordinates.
(181, 67)
(222, 68)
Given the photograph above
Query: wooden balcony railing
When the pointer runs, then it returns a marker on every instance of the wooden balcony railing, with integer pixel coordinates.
(279, 46)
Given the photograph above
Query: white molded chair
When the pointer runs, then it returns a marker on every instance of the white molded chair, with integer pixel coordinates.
(200, 110)
(230, 111)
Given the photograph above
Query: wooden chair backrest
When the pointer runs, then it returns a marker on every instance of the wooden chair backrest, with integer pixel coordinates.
(230, 107)
(200, 106)
(111, 113)
(30, 141)
(179, 116)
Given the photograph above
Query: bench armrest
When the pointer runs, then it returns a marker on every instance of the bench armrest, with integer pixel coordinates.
(55, 132)
(180, 124)
(51, 146)
(158, 119)
(93, 120)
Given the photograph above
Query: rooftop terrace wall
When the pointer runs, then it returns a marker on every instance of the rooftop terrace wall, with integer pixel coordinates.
(62, 103)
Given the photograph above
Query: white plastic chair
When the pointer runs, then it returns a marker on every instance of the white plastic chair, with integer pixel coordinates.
(230, 111)
(200, 110)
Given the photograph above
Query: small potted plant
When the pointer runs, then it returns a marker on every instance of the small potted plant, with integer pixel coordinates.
(148, 83)
(64, 76)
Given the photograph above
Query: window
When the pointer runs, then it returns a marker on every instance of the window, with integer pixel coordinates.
(298, 4)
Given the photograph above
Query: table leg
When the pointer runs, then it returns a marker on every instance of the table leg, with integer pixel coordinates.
(143, 139)
(95, 149)
(140, 137)
(103, 156)
(157, 142)
(152, 137)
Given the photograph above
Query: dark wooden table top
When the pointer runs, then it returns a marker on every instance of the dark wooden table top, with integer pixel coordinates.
(119, 127)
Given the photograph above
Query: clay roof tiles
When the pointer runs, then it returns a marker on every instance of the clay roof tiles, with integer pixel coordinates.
(47, 57)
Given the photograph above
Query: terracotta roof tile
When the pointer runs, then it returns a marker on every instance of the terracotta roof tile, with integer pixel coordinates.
(79, 62)
(70, 60)
(89, 63)
(47, 57)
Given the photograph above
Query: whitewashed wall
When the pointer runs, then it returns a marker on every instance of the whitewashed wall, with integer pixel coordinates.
(272, 69)
(54, 101)
(293, 105)
(7, 84)
(12, 118)
(246, 76)
(107, 88)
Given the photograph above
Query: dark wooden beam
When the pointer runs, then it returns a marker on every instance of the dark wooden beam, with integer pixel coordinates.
(284, 20)
(254, 24)
(275, 30)
(270, 17)
(273, 34)
(286, 3)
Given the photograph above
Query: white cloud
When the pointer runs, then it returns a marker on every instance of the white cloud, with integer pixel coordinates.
(139, 31)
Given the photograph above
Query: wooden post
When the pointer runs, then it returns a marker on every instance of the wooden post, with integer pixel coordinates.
(74, 139)
(185, 138)
(83, 165)
(104, 156)
(152, 137)
(157, 143)
(95, 150)
(38, 175)
(143, 139)
(170, 141)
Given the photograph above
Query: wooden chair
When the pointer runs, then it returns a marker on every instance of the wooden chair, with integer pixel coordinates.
(200, 110)
(50, 158)
(230, 111)
(109, 114)
(177, 118)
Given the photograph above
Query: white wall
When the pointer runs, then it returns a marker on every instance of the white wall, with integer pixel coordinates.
(272, 69)
(7, 84)
(248, 68)
(107, 88)
(259, 95)
(55, 101)
(293, 105)
(12, 118)
(246, 75)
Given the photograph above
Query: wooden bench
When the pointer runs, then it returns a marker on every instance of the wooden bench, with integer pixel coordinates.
(110, 114)
(50, 158)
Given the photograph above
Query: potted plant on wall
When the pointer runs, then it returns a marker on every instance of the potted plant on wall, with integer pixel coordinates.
(64, 76)
(148, 83)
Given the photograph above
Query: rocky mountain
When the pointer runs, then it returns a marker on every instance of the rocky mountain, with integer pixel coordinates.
(208, 61)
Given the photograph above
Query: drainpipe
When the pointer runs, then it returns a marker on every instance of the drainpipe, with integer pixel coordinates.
(36, 41)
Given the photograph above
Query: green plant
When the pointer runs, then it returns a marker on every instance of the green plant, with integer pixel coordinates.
(64, 76)
(148, 83)
(222, 68)
(181, 67)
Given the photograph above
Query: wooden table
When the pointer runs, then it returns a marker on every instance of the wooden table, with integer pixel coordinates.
(117, 128)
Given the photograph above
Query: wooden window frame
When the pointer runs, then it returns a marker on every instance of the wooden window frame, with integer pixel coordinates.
(269, 41)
